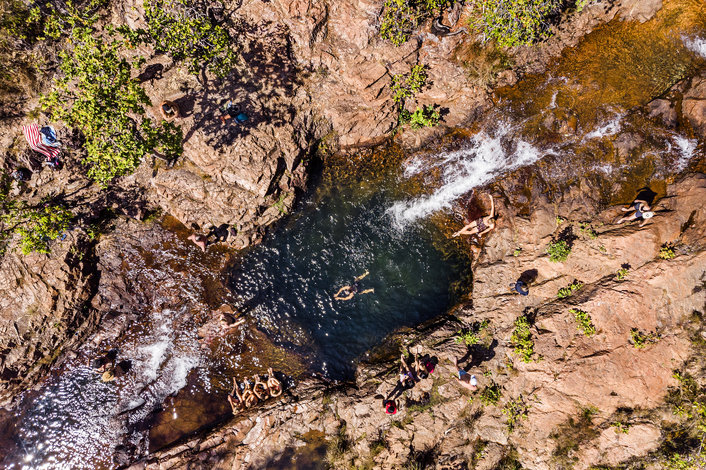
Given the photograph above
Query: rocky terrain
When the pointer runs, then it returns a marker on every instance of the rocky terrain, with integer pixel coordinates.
(315, 78)
(445, 426)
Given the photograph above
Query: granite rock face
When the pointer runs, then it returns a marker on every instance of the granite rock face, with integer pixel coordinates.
(570, 372)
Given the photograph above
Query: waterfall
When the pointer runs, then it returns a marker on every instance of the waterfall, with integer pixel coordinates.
(484, 157)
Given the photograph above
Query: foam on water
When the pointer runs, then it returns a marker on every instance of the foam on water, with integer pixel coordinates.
(486, 156)
(687, 148)
(696, 45)
(612, 127)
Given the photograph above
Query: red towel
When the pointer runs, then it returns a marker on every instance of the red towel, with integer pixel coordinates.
(35, 142)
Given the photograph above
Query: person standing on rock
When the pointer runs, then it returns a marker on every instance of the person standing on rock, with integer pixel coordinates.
(481, 225)
(465, 379)
(642, 212)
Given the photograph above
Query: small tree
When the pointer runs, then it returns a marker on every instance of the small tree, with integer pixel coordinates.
(184, 30)
(98, 96)
(514, 22)
(39, 226)
(401, 17)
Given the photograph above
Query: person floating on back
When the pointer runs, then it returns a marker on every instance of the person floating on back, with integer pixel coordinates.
(481, 225)
(642, 212)
(349, 291)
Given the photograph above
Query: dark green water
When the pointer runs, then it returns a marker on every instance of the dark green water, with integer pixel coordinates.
(287, 284)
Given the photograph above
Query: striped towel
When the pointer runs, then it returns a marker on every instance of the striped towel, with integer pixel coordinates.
(34, 139)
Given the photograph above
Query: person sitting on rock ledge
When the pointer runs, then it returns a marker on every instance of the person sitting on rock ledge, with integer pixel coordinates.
(105, 362)
(481, 225)
(642, 212)
(169, 110)
(273, 385)
(199, 240)
(465, 379)
(347, 292)
(235, 399)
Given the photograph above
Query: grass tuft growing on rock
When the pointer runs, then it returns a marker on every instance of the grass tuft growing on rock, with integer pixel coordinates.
(622, 274)
(584, 321)
(515, 410)
(521, 339)
(490, 395)
(558, 251)
(471, 336)
(640, 339)
(667, 252)
(568, 291)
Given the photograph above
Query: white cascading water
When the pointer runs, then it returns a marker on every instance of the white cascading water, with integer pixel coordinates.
(696, 45)
(485, 156)
(687, 148)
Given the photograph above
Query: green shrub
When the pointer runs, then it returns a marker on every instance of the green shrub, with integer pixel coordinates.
(98, 96)
(568, 291)
(515, 411)
(406, 85)
(587, 229)
(40, 226)
(640, 339)
(472, 335)
(513, 22)
(517, 252)
(558, 251)
(401, 17)
(667, 252)
(584, 321)
(184, 30)
(622, 274)
(521, 339)
(490, 395)
(621, 427)
(423, 116)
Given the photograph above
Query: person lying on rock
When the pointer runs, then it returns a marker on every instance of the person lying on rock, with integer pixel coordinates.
(641, 211)
(273, 385)
(465, 379)
(481, 225)
(199, 240)
(347, 292)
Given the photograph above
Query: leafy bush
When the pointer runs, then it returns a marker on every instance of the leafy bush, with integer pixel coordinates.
(490, 395)
(587, 229)
(183, 30)
(98, 96)
(522, 339)
(667, 252)
(568, 291)
(409, 84)
(423, 116)
(513, 22)
(515, 410)
(471, 336)
(39, 226)
(622, 274)
(621, 427)
(558, 251)
(401, 17)
(584, 321)
(640, 339)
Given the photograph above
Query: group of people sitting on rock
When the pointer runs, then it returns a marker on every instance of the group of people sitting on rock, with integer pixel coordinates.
(252, 393)
(216, 234)
(108, 367)
(413, 369)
